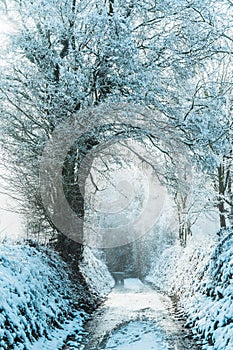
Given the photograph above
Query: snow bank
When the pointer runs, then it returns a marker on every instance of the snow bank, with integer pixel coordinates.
(201, 276)
(34, 295)
(96, 274)
(39, 304)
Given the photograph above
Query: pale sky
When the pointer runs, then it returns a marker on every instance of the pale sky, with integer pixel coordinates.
(8, 25)
(10, 223)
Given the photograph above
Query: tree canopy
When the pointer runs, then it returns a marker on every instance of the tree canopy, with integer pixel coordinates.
(76, 60)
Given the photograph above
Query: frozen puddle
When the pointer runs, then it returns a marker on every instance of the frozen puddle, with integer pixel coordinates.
(137, 335)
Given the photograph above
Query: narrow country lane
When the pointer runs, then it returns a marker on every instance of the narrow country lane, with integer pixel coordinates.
(135, 317)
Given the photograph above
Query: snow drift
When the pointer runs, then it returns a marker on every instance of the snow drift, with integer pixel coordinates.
(38, 300)
(201, 276)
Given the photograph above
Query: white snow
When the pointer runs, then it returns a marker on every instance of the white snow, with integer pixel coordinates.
(134, 284)
(96, 273)
(35, 296)
(39, 306)
(134, 290)
(58, 336)
(201, 276)
(136, 317)
(137, 335)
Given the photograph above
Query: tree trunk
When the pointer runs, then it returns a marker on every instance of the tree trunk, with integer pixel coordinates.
(230, 195)
(221, 191)
(76, 170)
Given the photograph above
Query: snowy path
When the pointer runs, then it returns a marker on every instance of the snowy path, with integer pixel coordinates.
(135, 317)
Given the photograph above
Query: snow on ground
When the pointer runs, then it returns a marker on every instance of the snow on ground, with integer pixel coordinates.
(201, 276)
(134, 290)
(134, 284)
(39, 305)
(135, 317)
(137, 335)
(58, 336)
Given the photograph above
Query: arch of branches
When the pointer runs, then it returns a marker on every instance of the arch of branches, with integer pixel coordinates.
(75, 144)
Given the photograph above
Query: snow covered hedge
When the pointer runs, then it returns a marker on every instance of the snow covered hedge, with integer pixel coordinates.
(37, 296)
(201, 275)
(96, 274)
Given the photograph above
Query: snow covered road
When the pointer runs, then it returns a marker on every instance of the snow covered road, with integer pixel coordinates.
(136, 317)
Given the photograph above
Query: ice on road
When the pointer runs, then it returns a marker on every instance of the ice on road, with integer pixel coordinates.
(136, 317)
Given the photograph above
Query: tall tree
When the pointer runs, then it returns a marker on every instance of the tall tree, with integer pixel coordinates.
(73, 55)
